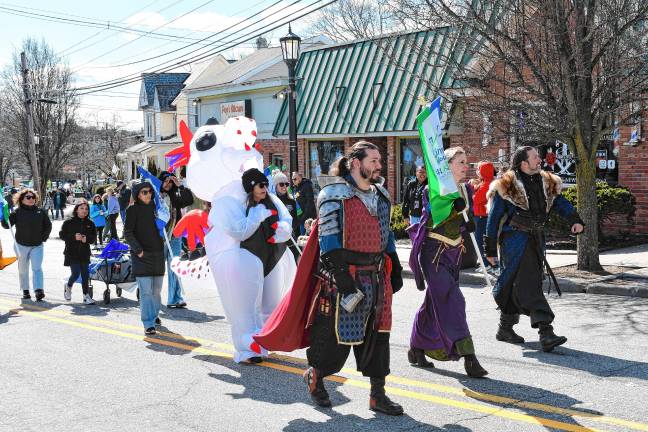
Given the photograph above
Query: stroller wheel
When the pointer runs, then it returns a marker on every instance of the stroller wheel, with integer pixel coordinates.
(118, 291)
(106, 296)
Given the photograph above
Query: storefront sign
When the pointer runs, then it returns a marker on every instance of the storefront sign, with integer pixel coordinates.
(558, 159)
(235, 109)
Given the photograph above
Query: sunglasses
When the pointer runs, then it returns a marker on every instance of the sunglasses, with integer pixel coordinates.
(29, 197)
(283, 184)
(262, 185)
(146, 192)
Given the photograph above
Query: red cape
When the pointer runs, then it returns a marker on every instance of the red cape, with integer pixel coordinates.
(286, 328)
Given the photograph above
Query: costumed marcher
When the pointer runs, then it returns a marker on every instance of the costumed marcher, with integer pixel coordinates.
(486, 174)
(176, 196)
(413, 197)
(98, 216)
(440, 329)
(303, 192)
(78, 233)
(282, 184)
(519, 206)
(147, 253)
(245, 237)
(33, 228)
(358, 256)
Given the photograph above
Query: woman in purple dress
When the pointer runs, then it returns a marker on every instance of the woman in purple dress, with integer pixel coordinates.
(440, 330)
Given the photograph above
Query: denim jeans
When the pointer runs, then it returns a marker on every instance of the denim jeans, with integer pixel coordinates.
(30, 255)
(480, 231)
(122, 214)
(56, 213)
(77, 269)
(175, 291)
(149, 288)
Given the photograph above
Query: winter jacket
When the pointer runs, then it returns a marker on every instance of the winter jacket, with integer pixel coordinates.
(33, 226)
(113, 205)
(305, 198)
(486, 173)
(60, 199)
(291, 205)
(413, 198)
(124, 198)
(95, 214)
(76, 250)
(141, 234)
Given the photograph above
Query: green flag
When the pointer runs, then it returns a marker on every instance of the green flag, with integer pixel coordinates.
(441, 185)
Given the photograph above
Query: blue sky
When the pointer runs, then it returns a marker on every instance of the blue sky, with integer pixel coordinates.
(94, 53)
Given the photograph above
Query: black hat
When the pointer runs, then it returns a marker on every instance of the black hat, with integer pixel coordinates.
(253, 177)
(163, 175)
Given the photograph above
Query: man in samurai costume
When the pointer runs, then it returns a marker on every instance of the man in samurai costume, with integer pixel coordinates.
(519, 206)
(358, 254)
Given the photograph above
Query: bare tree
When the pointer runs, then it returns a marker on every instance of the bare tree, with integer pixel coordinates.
(54, 120)
(357, 19)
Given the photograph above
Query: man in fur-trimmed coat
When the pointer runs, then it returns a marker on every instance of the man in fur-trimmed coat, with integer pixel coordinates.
(519, 206)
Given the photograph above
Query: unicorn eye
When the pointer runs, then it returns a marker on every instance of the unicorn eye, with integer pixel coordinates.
(205, 142)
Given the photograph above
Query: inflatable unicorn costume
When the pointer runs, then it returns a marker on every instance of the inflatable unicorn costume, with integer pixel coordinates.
(216, 157)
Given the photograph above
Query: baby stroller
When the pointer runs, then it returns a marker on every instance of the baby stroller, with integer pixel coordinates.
(113, 266)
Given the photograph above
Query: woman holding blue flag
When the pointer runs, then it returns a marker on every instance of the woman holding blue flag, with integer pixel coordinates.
(147, 252)
(440, 330)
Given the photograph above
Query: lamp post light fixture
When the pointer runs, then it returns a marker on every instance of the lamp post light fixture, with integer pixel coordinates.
(290, 45)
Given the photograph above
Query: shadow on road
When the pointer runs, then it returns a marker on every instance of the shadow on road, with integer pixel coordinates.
(189, 315)
(260, 385)
(351, 422)
(596, 364)
(618, 315)
(504, 394)
(4, 318)
(101, 309)
(170, 339)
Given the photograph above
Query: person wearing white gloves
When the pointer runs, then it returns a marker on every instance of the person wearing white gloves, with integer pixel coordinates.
(252, 266)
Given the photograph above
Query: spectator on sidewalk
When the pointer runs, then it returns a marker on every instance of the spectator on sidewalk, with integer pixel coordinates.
(10, 197)
(303, 193)
(78, 232)
(176, 197)
(48, 204)
(60, 200)
(124, 198)
(98, 215)
(112, 212)
(281, 184)
(33, 228)
(413, 197)
(486, 174)
(147, 253)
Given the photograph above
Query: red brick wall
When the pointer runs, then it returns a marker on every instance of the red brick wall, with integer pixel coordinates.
(633, 172)
(274, 146)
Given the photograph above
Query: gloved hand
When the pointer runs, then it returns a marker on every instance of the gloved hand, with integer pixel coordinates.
(459, 204)
(470, 226)
(396, 273)
(259, 213)
(283, 231)
(335, 264)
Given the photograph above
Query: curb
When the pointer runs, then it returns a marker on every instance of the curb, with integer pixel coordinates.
(566, 285)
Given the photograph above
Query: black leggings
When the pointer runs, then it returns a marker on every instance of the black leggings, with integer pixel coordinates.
(79, 268)
(99, 238)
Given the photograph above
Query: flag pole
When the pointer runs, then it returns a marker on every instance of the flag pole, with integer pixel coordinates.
(482, 266)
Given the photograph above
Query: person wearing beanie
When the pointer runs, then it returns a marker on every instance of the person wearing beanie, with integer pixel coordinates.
(486, 173)
(147, 253)
(177, 197)
(255, 226)
(281, 185)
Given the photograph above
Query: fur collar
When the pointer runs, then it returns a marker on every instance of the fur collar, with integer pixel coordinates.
(510, 188)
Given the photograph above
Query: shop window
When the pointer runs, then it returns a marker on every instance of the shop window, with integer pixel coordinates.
(322, 155)
(276, 159)
(411, 157)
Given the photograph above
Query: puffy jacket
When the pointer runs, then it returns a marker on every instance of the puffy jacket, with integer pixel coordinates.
(95, 214)
(141, 234)
(76, 250)
(487, 174)
(33, 226)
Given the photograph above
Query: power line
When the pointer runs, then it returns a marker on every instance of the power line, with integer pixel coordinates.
(127, 79)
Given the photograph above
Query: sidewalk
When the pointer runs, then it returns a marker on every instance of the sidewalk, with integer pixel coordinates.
(633, 283)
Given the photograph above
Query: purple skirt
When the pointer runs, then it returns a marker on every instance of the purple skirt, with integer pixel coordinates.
(440, 323)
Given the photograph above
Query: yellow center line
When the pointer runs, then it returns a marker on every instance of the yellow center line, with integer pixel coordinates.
(394, 379)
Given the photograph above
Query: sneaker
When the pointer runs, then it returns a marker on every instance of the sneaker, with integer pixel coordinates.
(150, 331)
(67, 291)
(88, 300)
(40, 294)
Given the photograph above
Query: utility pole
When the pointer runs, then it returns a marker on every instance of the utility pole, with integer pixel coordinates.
(33, 156)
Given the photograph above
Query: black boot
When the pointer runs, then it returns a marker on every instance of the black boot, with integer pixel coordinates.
(416, 357)
(473, 368)
(378, 400)
(40, 294)
(315, 383)
(505, 333)
(548, 338)
(26, 295)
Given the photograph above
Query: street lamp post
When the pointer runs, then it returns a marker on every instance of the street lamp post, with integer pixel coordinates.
(290, 49)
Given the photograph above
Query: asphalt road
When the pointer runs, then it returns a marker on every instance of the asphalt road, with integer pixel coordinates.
(65, 366)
